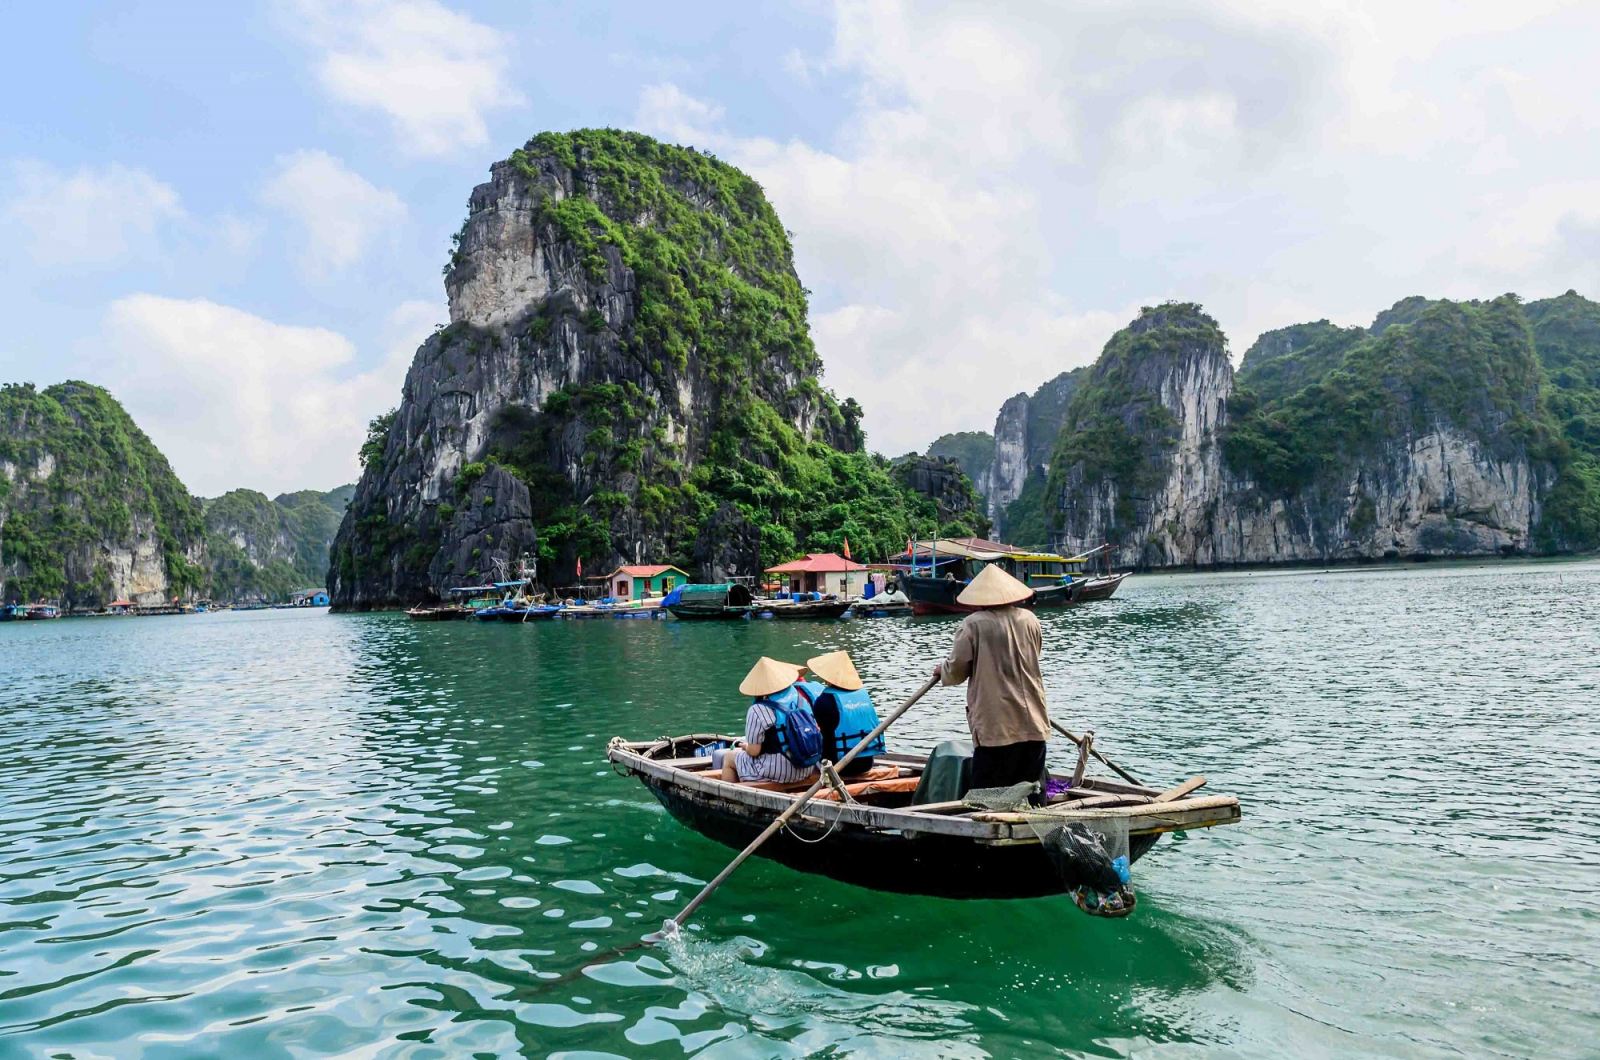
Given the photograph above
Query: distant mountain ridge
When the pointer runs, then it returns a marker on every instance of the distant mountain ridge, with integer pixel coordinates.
(1009, 466)
(91, 512)
(1443, 429)
(262, 549)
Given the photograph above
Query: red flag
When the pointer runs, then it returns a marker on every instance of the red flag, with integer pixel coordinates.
(580, 566)
(847, 548)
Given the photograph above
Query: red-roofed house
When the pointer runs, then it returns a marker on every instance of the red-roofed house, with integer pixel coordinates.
(824, 572)
(635, 582)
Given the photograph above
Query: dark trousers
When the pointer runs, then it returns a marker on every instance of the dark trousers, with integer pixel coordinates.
(1007, 764)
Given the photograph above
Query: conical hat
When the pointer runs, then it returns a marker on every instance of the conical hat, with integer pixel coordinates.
(768, 676)
(993, 587)
(837, 669)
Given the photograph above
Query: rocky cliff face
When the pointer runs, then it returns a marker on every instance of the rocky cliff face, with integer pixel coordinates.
(628, 343)
(956, 504)
(1002, 480)
(1420, 441)
(90, 511)
(1025, 431)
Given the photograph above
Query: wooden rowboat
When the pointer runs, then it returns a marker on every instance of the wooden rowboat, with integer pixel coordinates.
(1102, 587)
(441, 613)
(792, 609)
(879, 840)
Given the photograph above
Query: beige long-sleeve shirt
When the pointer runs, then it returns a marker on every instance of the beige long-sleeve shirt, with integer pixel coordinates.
(997, 653)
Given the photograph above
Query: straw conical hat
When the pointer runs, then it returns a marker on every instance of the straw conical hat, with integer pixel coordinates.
(837, 669)
(768, 676)
(993, 587)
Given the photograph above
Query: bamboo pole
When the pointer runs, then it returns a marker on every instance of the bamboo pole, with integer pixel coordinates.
(671, 926)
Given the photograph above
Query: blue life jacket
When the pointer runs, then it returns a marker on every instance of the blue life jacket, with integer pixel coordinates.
(857, 718)
(794, 733)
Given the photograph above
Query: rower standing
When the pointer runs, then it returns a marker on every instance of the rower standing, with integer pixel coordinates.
(996, 652)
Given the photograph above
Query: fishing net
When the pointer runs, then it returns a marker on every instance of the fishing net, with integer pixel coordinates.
(1092, 860)
(1007, 799)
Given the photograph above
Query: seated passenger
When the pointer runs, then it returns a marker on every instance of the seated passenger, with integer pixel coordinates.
(761, 754)
(844, 712)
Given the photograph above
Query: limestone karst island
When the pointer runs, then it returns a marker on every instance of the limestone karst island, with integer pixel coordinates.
(1016, 531)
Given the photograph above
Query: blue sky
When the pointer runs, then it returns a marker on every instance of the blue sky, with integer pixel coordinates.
(235, 215)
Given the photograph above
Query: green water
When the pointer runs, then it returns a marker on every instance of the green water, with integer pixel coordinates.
(276, 832)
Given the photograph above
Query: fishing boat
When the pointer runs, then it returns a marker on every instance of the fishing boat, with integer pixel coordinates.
(881, 840)
(793, 609)
(727, 600)
(513, 606)
(38, 612)
(437, 613)
(1101, 587)
(13, 612)
(884, 605)
(932, 574)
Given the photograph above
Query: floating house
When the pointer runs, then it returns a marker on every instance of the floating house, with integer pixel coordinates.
(311, 598)
(824, 572)
(639, 582)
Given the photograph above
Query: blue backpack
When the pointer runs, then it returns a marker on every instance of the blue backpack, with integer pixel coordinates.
(794, 728)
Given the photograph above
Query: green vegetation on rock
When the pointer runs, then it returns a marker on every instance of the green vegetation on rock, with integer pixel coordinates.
(718, 300)
(78, 477)
(1285, 361)
(1314, 401)
(1027, 518)
(973, 450)
(1466, 366)
(1116, 428)
(284, 541)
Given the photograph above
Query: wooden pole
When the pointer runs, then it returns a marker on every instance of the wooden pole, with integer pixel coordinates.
(787, 815)
(1118, 770)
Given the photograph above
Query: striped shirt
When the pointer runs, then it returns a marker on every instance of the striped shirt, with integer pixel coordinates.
(769, 766)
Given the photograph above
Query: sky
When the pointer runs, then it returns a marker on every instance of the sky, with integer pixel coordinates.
(234, 216)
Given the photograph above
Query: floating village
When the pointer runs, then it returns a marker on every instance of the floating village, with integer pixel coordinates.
(925, 579)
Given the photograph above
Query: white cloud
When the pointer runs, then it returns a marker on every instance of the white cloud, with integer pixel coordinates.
(1011, 181)
(340, 213)
(87, 216)
(434, 72)
(235, 400)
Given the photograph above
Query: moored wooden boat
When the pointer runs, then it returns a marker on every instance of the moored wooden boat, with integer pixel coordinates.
(876, 608)
(440, 613)
(728, 600)
(881, 841)
(1101, 587)
(937, 596)
(793, 609)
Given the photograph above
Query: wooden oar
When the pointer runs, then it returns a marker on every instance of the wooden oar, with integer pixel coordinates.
(1118, 770)
(783, 818)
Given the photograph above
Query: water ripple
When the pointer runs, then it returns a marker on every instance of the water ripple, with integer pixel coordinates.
(265, 833)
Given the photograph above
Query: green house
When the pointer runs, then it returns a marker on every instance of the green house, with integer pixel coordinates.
(644, 582)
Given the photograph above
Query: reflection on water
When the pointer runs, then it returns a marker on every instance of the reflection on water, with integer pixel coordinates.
(253, 833)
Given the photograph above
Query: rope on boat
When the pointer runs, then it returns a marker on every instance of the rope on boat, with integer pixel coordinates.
(820, 838)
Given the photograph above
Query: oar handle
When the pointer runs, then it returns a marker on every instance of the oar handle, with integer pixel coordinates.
(799, 804)
(1118, 770)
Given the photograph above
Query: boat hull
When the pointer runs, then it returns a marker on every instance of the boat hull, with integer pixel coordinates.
(1103, 588)
(700, 614)
(437, 614)
(817, 609)
(933, 865)
(937, 596)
